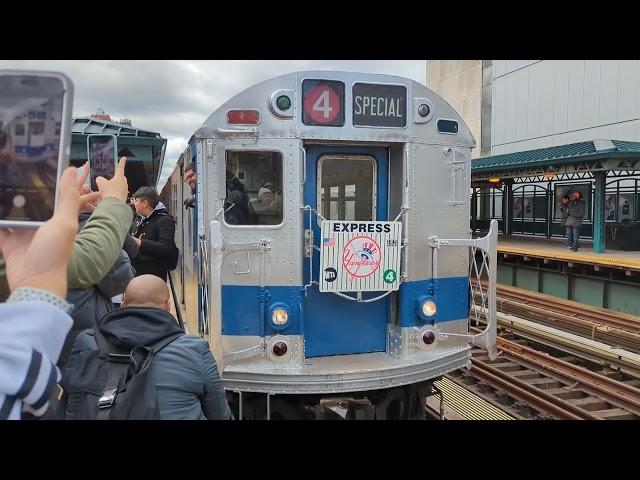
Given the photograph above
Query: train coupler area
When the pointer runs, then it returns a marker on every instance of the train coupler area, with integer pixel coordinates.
(398, 403)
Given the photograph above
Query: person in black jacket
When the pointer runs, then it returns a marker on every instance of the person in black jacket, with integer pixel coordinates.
(153, 232)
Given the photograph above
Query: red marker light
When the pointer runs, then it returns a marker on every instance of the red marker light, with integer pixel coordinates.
(243, 117)
(279, 349)
(428, 337)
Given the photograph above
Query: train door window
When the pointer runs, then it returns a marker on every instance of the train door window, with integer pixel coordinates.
(254, 188)
(346, 190)
(19, 131)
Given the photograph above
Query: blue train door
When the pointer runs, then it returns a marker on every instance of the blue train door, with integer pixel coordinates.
(344, 183)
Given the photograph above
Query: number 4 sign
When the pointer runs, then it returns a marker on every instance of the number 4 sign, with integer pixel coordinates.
(323, 102)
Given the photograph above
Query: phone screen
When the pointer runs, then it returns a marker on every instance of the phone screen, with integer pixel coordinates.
(31, 109)
(102, 158)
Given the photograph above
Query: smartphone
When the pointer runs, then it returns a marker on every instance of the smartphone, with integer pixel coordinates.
(35, 135)
(102, 155)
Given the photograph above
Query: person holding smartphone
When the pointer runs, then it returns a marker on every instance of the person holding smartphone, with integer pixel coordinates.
(153, 233)
(99, 244)
(35, 321)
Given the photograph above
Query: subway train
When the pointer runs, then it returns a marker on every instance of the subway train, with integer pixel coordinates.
(326, 255)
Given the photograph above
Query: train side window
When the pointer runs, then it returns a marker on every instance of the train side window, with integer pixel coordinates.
(254, 188)
(346, 190)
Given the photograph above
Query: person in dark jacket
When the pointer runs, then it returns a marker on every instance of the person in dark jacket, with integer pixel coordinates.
(185, 373)
(574, 220)
(91, 304)
(153, 232)
(237, 208)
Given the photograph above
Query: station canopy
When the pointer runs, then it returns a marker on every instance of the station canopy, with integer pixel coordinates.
(554, 162)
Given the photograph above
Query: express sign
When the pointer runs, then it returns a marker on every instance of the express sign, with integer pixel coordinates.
(360, 256)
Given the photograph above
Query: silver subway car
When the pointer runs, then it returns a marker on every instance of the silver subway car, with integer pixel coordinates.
(328, 259)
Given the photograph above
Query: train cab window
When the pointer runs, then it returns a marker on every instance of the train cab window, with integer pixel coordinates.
(346, 190)
(254, 188)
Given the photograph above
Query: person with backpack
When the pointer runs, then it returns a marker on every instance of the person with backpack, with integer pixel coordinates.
(138, 364)
(153, 232)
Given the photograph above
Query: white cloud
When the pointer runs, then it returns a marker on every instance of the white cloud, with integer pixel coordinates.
(174, 97)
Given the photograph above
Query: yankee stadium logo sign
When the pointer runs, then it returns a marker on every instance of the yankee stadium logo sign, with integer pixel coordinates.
(361, 256)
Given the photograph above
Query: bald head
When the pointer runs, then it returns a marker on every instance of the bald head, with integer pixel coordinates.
(147, 291)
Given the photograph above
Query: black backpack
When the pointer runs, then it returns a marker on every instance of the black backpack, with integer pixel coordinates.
(105, 385)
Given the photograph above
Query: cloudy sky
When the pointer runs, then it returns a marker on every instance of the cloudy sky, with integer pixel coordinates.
(174, 97)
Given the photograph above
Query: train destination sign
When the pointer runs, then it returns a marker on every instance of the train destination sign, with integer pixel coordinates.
(360, 256)
(376, 105)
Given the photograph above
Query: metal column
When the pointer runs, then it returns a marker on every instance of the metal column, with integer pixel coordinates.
(598, 211)
(507, 212)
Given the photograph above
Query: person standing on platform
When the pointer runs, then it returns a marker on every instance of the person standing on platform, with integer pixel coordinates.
(574, 220)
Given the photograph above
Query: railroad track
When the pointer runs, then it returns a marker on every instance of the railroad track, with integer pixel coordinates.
(527, 383)
(613, 328)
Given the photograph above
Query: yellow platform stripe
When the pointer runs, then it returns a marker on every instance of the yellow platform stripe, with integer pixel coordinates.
(467, 404)
(578, 257)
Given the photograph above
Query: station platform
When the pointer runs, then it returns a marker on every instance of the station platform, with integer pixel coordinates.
(550, 249)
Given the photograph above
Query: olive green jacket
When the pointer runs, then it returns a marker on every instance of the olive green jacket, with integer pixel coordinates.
(96, 249)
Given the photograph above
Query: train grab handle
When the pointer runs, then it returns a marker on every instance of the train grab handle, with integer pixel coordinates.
(488, 246)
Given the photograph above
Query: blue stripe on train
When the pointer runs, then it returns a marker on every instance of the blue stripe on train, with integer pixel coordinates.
(452, 296)
(241, 305)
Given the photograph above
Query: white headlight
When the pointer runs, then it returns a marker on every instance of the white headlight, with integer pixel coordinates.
(429, 308)
(279, 316)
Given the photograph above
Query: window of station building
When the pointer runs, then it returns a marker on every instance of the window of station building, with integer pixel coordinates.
(489, 203)
(621, 199)
(346, 190)
(626, 207)
(254, 188)
(530, 203)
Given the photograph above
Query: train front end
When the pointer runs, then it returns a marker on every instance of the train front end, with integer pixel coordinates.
(335, 240)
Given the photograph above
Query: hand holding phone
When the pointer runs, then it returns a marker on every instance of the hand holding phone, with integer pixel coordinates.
(88, 199)
(38, 258)
(101, 152)
(35, 118)
(117, 187)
